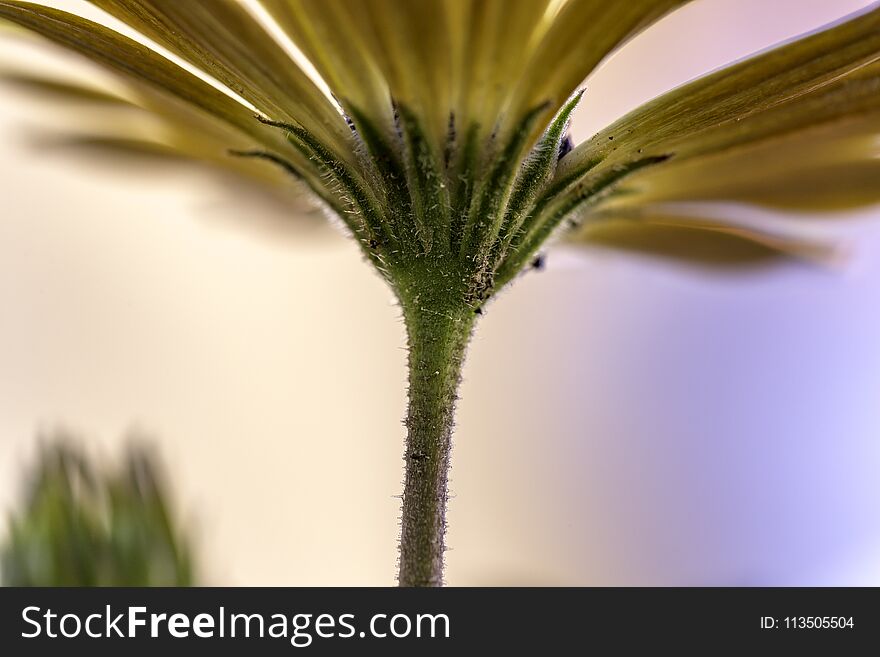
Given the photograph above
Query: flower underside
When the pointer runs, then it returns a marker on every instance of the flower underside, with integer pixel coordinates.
(472, 212)
(436, 131)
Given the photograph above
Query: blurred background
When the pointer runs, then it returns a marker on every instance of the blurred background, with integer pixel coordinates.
(624, 421)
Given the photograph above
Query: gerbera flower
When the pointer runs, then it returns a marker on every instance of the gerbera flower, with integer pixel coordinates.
(436, 132)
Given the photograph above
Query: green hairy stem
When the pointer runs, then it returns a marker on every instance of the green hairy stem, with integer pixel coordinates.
(439, 326)
(436, 354)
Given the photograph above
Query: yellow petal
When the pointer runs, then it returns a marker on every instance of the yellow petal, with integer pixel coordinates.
(221, 38)
(706, 242)
(832, 167)
(576, 38)
(335, 47)
(828, 76)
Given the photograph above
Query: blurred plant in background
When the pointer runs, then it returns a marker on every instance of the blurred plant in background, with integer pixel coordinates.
(83, 524)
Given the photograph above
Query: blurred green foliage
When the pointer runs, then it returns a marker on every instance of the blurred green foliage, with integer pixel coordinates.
(87, 525)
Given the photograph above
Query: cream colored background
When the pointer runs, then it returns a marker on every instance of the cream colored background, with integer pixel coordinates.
(622, 422)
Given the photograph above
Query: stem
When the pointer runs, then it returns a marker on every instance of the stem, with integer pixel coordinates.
(438, 337)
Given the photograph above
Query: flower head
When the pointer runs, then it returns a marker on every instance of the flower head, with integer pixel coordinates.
(436, 130)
